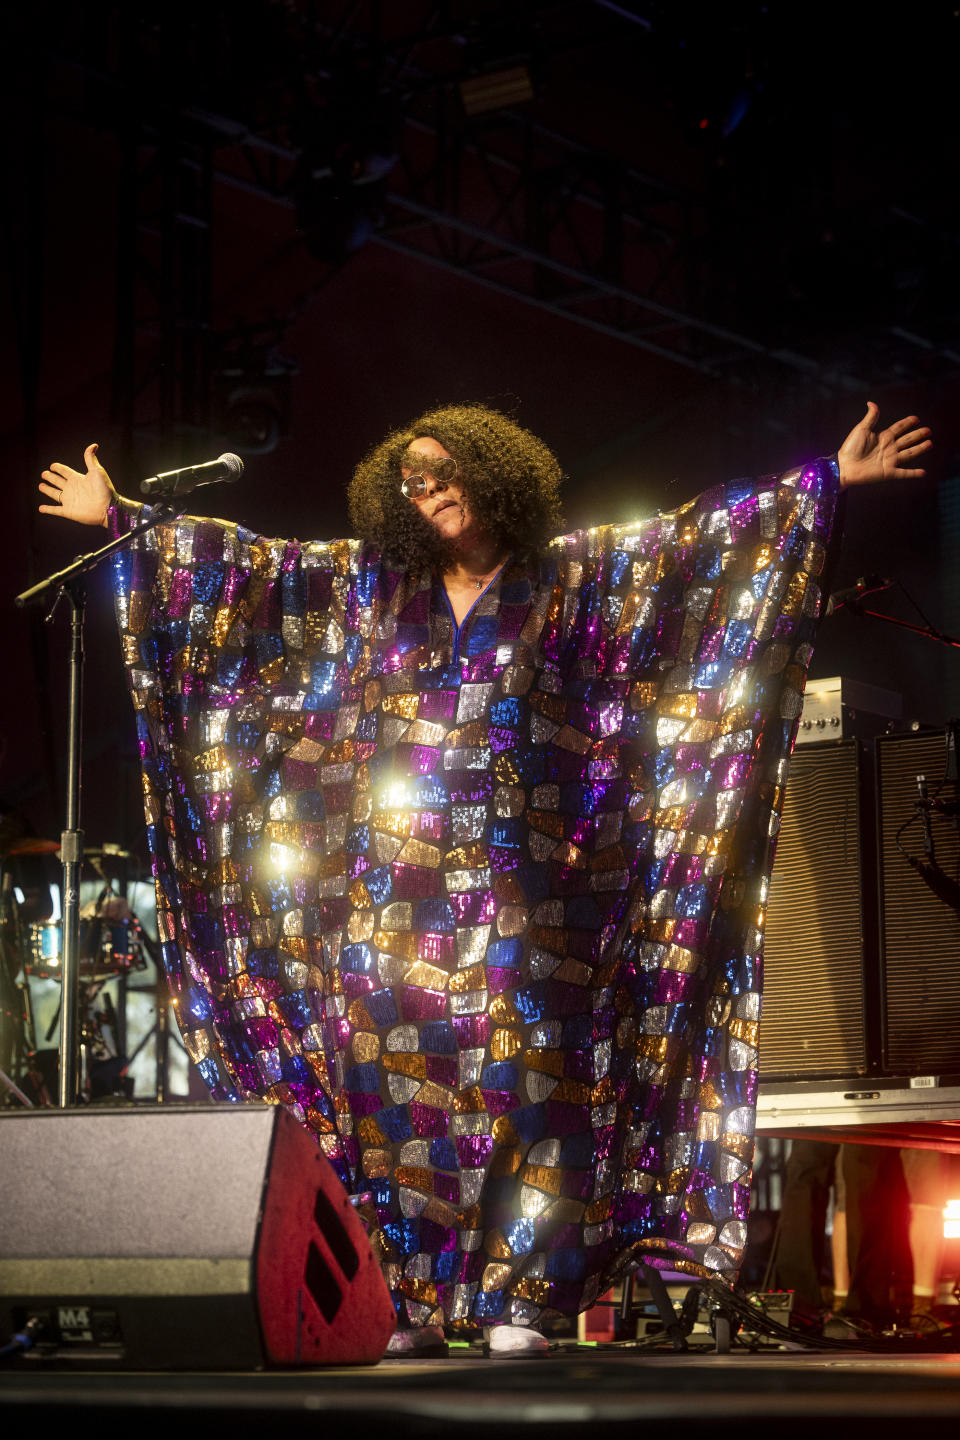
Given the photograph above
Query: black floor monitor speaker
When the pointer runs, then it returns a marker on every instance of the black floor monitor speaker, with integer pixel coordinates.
(187, 1237)
(815, 950)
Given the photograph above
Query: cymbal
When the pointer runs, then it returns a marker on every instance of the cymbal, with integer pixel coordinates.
(36, 845)
(105, 852)
(32, 845)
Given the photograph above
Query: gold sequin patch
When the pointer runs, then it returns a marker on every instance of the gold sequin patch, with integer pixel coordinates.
(598, 1211)
(739, 1145)
(426, 977)
(469, 1102)
(418, 852)
(505, 1044)
(360, 925)
(496, 1245)
(547, 1062)
(512, 920)
(397, 942)
(413, 1065)
(366, 1047)
(369, 1131)
(415, 1178)
(548, 1178)
(495, 1276)
(565, 1212)
(746, 1030)
(473, 978)
(528, 1287)
(405, 706)
(376, 1164)
(359, 1016)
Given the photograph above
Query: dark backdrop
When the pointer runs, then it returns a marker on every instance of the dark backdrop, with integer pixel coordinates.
(810, 168)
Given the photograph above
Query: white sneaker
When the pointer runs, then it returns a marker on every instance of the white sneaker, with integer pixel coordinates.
(519, 1340)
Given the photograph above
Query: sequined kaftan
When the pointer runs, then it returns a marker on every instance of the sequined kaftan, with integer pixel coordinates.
(483, 905)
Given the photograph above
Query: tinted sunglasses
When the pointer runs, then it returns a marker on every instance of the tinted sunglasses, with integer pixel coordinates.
(431, 471)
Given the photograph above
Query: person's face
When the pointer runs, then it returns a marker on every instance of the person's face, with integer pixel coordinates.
(444, 502)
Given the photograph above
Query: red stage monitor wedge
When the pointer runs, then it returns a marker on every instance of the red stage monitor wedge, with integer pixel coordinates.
(201, 1237)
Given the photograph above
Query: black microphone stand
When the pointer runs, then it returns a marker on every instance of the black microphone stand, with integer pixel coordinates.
(928, 630)
(856, 606)
(69, 583)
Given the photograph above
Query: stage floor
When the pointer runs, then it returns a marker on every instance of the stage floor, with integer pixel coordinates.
(810, 1393)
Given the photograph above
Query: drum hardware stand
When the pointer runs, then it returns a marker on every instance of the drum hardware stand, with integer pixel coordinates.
(15, 1090)
(17, 993)
(86, 995)
(69, 582)
(92, 1045)
(26, 1047)
(161, 1025)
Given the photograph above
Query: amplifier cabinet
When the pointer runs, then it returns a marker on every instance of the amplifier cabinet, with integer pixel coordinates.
(919, 919)
(815, 1015)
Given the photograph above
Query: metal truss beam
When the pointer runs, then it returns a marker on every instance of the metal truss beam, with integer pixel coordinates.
(554, 261)
(510, 204)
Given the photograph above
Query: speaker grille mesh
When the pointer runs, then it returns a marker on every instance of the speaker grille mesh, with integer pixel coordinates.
(920, 932)
(813, 1019)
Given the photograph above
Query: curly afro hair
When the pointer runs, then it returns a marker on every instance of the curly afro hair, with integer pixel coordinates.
(512, 479)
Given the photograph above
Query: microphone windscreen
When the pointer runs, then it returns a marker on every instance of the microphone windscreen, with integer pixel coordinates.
(234, 464)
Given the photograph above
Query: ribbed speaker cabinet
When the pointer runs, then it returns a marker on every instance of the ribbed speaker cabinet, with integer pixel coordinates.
(817, 945)
(920, 923)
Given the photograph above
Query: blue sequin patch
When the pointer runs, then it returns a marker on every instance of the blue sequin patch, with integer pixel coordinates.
(207, 580)
(438, 1038)
(520, 1235)
(363, 1079)
(434, 916)
(404, 1235)
(394, 1122)
(443, 1153)
(379, 883)
(357, 959)
(381, 1007)
(529, 1122)
(488, 1304)
(531, 1002)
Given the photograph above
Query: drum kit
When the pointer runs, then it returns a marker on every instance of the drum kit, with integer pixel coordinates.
(113, 945)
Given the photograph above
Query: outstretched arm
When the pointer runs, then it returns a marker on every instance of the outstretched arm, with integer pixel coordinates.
(82, 496)
(866, 456)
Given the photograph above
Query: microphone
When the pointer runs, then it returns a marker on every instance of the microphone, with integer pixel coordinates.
(938, 880)
(864, 586)
(191, 477)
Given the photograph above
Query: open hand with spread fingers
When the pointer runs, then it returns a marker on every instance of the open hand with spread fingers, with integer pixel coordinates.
(867, 456)
(84, 496)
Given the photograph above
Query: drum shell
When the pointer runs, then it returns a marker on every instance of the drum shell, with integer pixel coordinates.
(107, 947)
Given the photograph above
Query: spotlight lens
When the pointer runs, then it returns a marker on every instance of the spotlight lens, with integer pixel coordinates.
(951, 1220)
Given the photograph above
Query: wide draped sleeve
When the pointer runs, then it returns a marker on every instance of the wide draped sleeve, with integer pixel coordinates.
(680, 646)
(242, 654)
